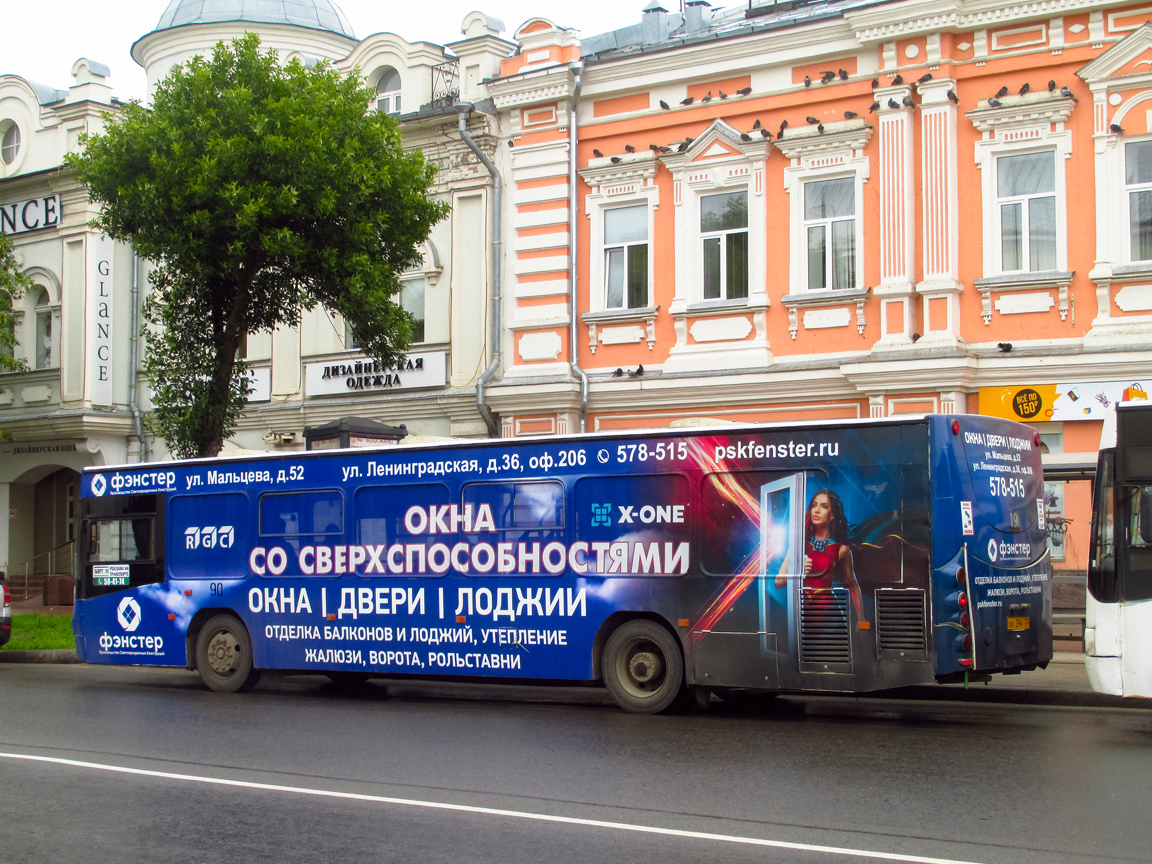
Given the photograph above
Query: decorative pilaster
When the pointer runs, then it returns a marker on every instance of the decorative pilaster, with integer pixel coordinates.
(941, 287)
(897, 215)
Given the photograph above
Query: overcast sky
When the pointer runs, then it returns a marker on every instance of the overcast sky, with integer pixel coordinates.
(41, 39)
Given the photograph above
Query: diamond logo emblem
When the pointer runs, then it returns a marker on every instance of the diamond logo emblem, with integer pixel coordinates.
(128, 614)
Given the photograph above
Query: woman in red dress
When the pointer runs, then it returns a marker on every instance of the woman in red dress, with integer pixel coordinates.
(827, 555)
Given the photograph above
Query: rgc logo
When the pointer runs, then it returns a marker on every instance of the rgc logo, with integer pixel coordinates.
(209, 537)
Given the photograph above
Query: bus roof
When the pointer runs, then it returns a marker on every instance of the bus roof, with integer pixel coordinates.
(469, 443)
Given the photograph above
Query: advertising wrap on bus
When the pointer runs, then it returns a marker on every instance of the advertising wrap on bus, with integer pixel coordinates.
(825, 557)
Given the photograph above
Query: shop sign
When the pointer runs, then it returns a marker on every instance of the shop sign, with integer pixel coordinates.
(363, 375)
(98, 346)
(259, 384)
(1040, 403)
(30, 215)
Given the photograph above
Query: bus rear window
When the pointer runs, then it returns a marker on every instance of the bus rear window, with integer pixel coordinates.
(298, 514)
(121, 540)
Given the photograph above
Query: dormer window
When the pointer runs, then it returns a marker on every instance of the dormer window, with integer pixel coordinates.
(9, 142)
(388, 92)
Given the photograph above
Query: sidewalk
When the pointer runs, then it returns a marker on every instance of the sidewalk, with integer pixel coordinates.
(35, 603)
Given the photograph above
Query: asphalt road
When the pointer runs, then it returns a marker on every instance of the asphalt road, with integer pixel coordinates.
(145, 765)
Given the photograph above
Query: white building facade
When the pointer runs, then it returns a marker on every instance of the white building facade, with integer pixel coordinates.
(82, 397)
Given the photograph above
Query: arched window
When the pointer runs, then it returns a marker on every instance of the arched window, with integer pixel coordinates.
(388, 91)
(9, 142)
(43, 337)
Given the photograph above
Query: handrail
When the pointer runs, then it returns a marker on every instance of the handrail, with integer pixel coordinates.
(51, 566)
(48, 552)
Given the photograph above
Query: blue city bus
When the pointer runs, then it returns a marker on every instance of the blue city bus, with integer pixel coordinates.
(843, 556)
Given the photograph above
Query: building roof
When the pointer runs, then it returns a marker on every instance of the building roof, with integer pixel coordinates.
(316, 14)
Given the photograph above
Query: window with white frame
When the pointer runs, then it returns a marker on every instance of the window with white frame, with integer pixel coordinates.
(9, 142)
(724, 236)
(830, 231)
(412, 300)
(1138, 184)
(43, 335)
(626, 257)
(1026, 201)
(388, 92)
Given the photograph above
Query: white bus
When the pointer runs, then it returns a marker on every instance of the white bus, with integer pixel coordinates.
(1118, 624)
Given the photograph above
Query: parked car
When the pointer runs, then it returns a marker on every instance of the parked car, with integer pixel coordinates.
(5, 613)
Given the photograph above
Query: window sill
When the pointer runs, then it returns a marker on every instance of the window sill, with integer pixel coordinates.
(1044, 280)
(824, 297)
(717, 307)
(1141, 270)
(1024, 281)
(619, 316)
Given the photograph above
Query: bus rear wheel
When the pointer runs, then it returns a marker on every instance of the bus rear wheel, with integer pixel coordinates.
(224, 655)
(643, 668)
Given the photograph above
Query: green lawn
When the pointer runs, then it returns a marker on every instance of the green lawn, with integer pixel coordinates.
(33, 632)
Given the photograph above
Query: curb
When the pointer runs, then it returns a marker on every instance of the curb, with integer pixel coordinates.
(1016, 696)
(59, 655)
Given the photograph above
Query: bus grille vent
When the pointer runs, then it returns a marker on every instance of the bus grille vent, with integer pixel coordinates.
(900, 620)
(824, 626)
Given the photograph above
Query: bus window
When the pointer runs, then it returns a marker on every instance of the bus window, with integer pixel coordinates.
(120, 540)
(1102, 559)
(1140, 516)
(380, 510)
(646, 519)
(730, 518)
(520, 511)
(302, 514)
(121, 543)
(1138, 554)
(208, 536)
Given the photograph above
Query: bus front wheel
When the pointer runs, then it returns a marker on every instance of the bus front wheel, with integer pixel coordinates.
(643, 668)
(224, 655)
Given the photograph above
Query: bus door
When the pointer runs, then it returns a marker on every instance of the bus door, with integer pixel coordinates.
(782, 560)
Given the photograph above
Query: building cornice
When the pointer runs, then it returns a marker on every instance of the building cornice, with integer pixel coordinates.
(543, 85)
(890, 21)
(1028, 110)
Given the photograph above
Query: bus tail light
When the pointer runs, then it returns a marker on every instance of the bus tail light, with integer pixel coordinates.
(964, 643)
(955, 427)
(1036, 439)
(961, 577)
(7, 596)
(962, 600)
(964, 619)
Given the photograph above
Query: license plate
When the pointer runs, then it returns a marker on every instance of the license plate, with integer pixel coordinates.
(1018, 623)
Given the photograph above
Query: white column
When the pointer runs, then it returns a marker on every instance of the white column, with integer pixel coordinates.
(941, 287)
(897, 216)
(5, 523)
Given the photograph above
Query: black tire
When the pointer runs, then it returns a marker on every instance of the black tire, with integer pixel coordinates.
(643, 668)
(224, 655)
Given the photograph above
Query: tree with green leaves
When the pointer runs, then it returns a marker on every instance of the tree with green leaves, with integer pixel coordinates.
(13, 284)
(261, 190)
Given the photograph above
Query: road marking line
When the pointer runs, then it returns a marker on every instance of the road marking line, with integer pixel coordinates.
(491, 811)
